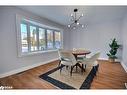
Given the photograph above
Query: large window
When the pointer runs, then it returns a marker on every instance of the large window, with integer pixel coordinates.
(36, 38)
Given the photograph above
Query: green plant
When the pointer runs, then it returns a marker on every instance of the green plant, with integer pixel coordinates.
(114, 46)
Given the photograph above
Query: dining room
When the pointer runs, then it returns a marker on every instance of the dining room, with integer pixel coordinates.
(77, 47)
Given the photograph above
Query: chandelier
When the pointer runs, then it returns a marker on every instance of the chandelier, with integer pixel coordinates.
(75, 20)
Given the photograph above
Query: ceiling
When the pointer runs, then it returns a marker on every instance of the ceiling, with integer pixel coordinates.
(92, 14)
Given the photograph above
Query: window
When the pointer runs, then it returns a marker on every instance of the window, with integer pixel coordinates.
(57, 39)
(50, 39)
(35, 38)
(42, 41)
(24, 41)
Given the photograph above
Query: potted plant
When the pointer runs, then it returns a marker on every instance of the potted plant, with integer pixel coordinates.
(113, 51)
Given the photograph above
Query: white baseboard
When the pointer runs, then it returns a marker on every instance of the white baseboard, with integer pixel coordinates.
(102, 58)
(25, 68)
(117, 60)
(124, 66)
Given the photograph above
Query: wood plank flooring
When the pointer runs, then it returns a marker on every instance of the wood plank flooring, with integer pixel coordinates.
(109, 76)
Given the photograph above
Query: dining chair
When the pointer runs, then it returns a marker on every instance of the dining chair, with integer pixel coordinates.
(91, 62)
(81, 57)
(67, 59)
(61, 56)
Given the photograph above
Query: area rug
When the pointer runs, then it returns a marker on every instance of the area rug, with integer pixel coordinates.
(64, 80)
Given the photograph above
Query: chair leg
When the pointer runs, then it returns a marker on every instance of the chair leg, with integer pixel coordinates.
(76, 68)
(85, 67)
(71, 70)
(66, 67)
(82, 68)
(60, 70)
(59, 63)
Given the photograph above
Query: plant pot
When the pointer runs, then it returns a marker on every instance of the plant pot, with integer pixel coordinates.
(111, 60)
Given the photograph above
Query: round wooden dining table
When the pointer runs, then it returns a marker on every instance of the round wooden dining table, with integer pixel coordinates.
(80, 52)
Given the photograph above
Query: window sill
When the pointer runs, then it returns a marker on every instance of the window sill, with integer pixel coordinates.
(37, 52)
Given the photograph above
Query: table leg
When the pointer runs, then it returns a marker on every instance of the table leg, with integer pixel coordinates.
(75, 56)
(82, 69)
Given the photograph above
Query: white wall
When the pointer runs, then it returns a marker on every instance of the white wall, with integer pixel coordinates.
(124, 45)
(9, 60)
(66, 38)
(96, 37)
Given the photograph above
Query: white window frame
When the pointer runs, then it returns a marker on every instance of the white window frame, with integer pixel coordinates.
(19, 18)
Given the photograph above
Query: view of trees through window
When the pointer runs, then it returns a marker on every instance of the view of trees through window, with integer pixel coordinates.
(35, 38)
(42, 43)
(57, 39)
(49, 39)
(24, 38)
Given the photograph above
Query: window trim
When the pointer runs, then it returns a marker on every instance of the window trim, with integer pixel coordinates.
(46, 27)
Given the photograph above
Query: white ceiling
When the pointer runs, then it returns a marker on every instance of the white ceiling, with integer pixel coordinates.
(92, 14)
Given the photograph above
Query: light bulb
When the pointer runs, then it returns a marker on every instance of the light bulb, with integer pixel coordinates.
(77, 23)
(69, 25)
(82, 26)
(74, 27)
(82, 15)
(71, 14)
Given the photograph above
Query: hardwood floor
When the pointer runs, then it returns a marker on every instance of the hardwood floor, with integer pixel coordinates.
(109, 76)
